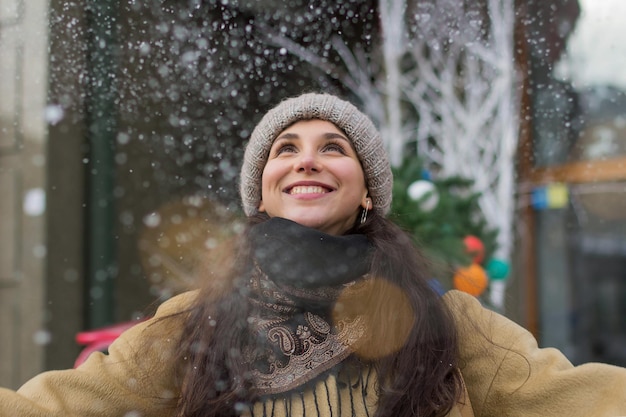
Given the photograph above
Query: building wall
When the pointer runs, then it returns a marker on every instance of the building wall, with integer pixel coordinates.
(23, 86)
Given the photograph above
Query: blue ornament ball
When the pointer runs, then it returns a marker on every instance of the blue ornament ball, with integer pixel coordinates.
(497, 269)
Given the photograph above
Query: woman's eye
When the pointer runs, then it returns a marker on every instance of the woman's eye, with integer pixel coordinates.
(285, 148)
(334, 147)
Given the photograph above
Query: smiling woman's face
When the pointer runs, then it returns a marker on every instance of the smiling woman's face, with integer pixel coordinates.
(313, 177)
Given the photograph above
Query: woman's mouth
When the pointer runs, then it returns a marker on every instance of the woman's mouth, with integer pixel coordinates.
(307, 189)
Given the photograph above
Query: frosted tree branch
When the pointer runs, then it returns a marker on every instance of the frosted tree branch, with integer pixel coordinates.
(356, 74)
(394, 40)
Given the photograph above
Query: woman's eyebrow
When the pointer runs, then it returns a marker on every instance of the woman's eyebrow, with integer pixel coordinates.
(288, 136)
(327, 136)
(335, 135)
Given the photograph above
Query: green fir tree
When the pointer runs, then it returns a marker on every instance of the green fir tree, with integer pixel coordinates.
(440, 231)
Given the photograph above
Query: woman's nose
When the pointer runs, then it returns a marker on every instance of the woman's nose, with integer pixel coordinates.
(308, 163)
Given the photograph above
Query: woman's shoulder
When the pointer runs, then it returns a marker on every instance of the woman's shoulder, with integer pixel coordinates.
(484, 329)
(177, 304)
(460, 302)
(166, 325)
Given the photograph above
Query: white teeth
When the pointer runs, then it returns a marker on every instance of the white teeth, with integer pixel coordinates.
(307, 189)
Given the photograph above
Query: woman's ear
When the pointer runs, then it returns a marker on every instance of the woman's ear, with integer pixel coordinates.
(261, 207)
(366, 203)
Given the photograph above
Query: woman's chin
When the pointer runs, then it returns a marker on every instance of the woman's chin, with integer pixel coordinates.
(308, 221)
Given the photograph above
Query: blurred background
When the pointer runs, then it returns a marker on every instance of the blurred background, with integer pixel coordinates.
(123, 123)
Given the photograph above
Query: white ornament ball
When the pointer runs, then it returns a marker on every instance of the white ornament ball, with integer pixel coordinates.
(419, 189)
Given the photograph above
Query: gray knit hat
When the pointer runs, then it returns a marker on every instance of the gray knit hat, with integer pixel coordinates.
(356, 125)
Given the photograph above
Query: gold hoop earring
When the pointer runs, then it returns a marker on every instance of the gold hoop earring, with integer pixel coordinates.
(365, 210)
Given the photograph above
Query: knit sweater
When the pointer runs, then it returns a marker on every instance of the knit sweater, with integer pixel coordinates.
(505, 373)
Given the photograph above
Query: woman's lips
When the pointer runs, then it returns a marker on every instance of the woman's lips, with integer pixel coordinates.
(307, 189)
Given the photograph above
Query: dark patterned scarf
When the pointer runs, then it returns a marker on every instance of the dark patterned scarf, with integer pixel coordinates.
(297, 276)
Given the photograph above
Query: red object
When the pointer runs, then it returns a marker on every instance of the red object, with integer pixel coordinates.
(475, 248)
(98, 340)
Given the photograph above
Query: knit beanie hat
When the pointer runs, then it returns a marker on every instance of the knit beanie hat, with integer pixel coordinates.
(356, 125)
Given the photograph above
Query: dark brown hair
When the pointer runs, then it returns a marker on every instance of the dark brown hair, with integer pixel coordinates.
(419, 379)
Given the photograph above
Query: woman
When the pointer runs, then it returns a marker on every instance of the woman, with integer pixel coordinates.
(322, 310)
(316, 176)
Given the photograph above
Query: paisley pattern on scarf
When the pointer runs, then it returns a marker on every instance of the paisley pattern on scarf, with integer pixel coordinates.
(297, 345)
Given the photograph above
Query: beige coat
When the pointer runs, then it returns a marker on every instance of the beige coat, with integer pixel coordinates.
(506, 374)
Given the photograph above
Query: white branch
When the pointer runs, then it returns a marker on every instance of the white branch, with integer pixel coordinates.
(394, 39)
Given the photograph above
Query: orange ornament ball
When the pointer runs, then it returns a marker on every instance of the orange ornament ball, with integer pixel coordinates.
(471, 279)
